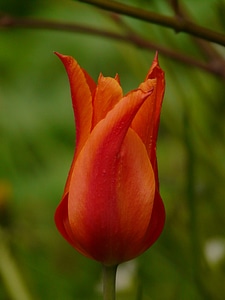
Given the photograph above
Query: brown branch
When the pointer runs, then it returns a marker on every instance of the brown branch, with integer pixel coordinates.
(176, 23)
(142, 42)
(7, 21)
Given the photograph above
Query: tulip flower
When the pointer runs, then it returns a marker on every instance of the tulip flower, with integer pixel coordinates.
(111, 209)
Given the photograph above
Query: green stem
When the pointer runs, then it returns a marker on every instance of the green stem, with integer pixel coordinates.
(176, 23)
(191, 196)
(196, 250)
(109, 282)
(10, 272)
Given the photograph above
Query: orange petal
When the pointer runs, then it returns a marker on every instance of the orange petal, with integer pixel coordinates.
(81, 86)
(146, 122)
(117, 78)
(108, 93)
(157, 73)
(90, 82)
(94, 183)
(143, 123)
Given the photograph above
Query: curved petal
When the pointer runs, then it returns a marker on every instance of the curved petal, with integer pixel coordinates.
(81, 86)
(63, 226)
(61, 218)
(93, 212)
(143, 123)
(146, 122)
(156, 223)
(156, 73)
(135, 198)
(90, 82)
(108, 93)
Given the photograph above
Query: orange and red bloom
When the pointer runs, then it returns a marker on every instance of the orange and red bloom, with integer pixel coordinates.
(111, 209)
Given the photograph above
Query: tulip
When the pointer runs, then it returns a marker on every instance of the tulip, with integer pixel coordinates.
(111, 209)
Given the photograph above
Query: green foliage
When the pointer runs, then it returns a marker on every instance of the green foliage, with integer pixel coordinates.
(22, 7)
(37, 141)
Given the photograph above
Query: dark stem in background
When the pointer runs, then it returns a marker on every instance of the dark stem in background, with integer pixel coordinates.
(210, 53)
(7, 21)
(192, 201)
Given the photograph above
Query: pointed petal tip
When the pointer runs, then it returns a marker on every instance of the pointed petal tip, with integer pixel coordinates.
(65, 59)
(156, 56)
(59, 54)
(155, 69)
(117, 78)
(156, 59)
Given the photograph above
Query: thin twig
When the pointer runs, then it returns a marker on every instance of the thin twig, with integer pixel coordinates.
(176, 6)
(142, 42)
(210, 52)
(176, 23)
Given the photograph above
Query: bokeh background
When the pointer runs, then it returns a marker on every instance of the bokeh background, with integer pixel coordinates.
(37, 139)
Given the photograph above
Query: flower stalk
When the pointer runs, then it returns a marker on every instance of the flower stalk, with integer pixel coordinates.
(109, 282)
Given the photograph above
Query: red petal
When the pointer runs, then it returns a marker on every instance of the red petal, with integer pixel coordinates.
(157, 221)
(94, 183)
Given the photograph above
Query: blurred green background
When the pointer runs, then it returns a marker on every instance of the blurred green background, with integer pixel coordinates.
(37, 142)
